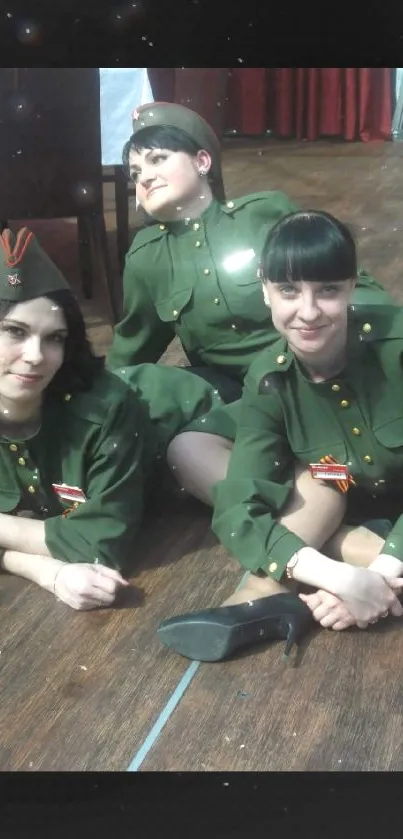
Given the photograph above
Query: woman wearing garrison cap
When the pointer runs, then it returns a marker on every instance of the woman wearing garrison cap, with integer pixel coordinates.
(76, 444)
(193, 272)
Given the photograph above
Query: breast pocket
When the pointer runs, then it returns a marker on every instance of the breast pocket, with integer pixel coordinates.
(246, 301)
(390, 434)
(172, 308)
(338, 450)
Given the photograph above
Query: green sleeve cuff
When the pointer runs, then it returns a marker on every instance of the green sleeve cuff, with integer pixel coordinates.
(394, 542)
(281, 552)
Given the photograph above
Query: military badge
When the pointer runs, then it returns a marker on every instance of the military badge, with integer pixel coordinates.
(14, 279)
(69, 493)
(329, 470)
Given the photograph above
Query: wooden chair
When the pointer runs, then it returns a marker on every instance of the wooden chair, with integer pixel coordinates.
(123, 191)
(50, 159)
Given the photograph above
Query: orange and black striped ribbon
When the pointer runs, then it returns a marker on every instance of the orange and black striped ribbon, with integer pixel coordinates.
(342, 485)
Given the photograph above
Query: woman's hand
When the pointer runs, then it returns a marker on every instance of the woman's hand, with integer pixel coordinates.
(387, 565)
(370, 596)
(87, 586)
(330, 611)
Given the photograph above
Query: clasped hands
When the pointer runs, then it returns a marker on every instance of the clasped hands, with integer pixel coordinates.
(365, 597)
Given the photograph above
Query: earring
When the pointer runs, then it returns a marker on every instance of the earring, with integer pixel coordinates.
(202, 173)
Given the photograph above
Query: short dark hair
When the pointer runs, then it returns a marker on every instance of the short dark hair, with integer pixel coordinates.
(159, 137)
(309, 245)
(80, 364)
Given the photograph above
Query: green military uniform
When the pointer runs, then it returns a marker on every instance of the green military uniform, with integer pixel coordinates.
(197, 279)
(356, 417)
(98, 446)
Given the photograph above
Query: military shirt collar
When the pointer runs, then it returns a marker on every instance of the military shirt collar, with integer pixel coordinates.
(184, 226)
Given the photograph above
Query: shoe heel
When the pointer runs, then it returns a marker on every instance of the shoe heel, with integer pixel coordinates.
(291, 640)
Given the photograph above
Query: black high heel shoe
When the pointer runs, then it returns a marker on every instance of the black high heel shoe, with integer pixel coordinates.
(214, 634)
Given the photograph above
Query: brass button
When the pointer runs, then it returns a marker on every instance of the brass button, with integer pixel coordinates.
(198, 245)
(175, 313)
(13, 447)
(367, 328)
(344, 403)
(31, 489)
(272, 567)
(21, 461)
(206, 272)
(367, 458)
(67, 397)
(217, 301)
(230, 205)
(196, 226)
(162, 227)
(281, 359)
(336, 388)
(356, 431)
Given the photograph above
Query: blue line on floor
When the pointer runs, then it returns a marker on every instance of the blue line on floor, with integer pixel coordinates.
(164, 716)
(168, 710)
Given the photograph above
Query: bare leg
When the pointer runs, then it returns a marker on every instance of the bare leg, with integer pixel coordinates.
(355, 545)
(201, 460)
(300, 516)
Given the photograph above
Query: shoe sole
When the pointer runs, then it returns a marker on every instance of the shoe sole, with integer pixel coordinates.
(208, 641)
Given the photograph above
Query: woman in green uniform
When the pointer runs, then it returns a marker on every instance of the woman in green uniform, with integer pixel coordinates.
(191, 272)
(325, 398)
(76, 446)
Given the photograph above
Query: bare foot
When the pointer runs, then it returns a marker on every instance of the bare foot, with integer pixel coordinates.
(254, 588)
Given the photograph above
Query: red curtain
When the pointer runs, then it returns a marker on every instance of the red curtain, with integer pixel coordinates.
(354, 103)
(201, 88)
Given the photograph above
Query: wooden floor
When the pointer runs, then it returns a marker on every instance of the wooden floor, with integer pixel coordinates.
(91, 691)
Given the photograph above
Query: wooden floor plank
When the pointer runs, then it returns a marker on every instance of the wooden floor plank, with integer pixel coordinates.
(80, 691)
(339, 708)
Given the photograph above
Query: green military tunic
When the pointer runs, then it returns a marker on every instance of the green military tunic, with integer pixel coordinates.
(171, 398)
(356, 417)
(197, 279)
(103, 442)
(95, 442)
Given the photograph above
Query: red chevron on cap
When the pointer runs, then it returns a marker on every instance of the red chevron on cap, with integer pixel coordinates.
(15, 253)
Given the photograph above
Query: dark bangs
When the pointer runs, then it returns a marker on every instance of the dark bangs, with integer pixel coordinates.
(158, 137)
(310, 246)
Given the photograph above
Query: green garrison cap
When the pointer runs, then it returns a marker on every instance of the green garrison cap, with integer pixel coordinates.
(176, 116)
(26, 271)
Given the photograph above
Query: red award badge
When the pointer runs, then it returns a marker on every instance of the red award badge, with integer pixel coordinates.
(68, 493)
(329, 470)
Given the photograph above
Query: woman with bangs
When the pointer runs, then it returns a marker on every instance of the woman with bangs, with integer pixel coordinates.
(191, 272)
(305, 471)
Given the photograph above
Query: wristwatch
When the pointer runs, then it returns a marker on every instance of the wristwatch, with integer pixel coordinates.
(289, 569)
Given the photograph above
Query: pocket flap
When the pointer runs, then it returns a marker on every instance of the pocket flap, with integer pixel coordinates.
(170, 309)
(390, 434)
